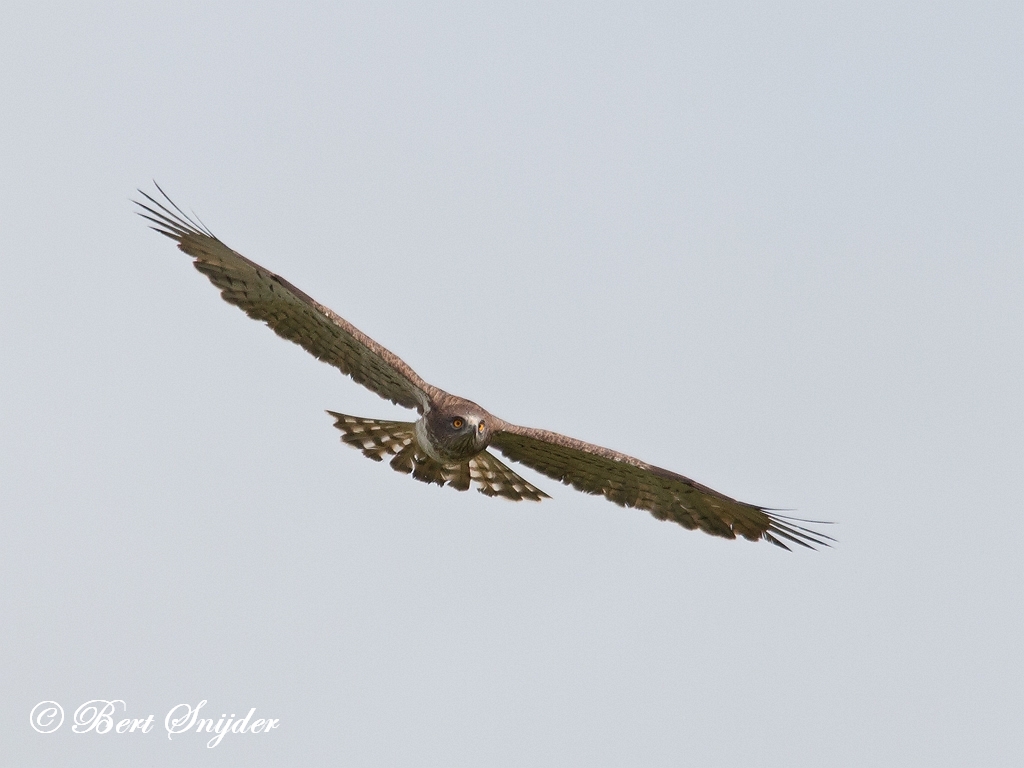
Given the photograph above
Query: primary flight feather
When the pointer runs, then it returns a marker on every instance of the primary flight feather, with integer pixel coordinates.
(448, 444)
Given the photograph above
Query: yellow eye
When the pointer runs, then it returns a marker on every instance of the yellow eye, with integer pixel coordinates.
(457, 423)
(481, 427)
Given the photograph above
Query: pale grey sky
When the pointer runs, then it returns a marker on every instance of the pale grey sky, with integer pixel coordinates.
(779, 249)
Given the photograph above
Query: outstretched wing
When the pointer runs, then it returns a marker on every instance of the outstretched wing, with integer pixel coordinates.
(630, 482)
(292, 314)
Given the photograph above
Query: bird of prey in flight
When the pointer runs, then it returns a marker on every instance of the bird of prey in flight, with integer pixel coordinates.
(448, 444)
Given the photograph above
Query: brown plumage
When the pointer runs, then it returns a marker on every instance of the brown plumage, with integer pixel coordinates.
(448, 444)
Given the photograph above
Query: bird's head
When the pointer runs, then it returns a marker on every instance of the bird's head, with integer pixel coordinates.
(460, 428)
